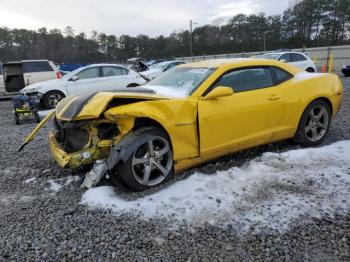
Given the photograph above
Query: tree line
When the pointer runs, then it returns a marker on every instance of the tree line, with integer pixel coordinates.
(308, 23)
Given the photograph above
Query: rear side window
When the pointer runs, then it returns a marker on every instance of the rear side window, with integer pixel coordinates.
(0, 69)
(113, 71)
(280, 75)
(247, 79)
(298, 57)
(37, 66)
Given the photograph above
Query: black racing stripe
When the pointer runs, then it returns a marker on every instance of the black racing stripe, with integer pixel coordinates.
(76, 106)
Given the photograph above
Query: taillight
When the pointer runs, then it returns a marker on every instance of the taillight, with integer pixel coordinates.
(58, 75)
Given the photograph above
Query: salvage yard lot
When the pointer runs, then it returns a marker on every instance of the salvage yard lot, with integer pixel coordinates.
(273, 202)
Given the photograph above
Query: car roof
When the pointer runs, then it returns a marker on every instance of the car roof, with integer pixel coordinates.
(92, 65)
(35, 60)
(240, 62)
(283, 52)
(21, 61)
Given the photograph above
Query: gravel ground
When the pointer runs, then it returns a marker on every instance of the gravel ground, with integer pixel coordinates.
(40, 221)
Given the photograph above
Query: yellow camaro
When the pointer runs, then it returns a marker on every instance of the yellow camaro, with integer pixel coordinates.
(191, 114)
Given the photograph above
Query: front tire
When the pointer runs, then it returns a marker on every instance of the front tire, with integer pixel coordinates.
(52, 98)
(314, 124)
(149, 164)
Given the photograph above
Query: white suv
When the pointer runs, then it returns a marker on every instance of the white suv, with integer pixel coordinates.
(92, 78)
(16, 75)
(297, 59)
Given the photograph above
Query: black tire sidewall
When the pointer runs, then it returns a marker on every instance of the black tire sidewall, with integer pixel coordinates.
(300, 136)
(16, 117)
(123, 171)
(37, 117)
(46, 98)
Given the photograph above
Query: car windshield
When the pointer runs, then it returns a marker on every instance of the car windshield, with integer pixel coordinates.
(160, 66)
(179, 81)
(269, 56)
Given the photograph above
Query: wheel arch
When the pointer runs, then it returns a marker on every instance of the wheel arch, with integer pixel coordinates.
(124, 148)
(133, 85)
(321, 98)
(310, 69)
(55, 90)
(326, 100)
(44, 97)
(142, 122)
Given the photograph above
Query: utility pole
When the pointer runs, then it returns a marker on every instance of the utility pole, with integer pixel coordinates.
(264, 37)
(265, 40)
(191, 36)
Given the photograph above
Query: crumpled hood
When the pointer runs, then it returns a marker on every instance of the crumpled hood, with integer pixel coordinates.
(92, 105)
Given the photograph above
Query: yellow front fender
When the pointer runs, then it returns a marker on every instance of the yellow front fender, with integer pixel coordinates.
(36, 130)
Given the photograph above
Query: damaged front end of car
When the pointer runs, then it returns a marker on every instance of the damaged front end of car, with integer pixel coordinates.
(82, 133)
(77, 143)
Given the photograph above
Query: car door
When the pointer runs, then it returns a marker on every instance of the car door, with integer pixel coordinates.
(299, 60)
(248, 117)
(114, 77)
(87, 80)
(37, 71)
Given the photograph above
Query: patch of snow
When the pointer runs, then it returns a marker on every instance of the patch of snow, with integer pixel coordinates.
(30, 180)
(172, 91)
(45, 112)
(54, 186)
(271, 192)
(306, 75)
(57, 184)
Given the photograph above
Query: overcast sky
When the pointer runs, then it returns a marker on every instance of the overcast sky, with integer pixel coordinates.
(133, 17)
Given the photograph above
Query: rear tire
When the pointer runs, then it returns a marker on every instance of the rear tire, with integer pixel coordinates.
(52, 98)
(314, 124)
(149, 165)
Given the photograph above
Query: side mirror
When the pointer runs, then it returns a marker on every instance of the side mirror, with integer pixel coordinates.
(284, 60)
(74, 78)
(220, 91)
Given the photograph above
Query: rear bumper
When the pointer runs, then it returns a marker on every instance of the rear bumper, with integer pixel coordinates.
(76, 159)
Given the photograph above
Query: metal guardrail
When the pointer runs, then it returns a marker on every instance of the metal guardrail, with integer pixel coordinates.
(321, 56)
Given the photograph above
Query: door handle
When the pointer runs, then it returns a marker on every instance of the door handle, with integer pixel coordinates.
(274, 98)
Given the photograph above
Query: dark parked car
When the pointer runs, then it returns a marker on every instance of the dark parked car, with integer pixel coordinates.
(346, 70)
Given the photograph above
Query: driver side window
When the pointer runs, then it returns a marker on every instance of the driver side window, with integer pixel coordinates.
(93, 72)
(246, 79)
